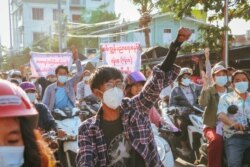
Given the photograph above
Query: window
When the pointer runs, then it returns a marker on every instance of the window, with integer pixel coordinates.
(37, 36)
(37, 13)
(76, 18)
(75, 2)
(167, 36)
(167, 30)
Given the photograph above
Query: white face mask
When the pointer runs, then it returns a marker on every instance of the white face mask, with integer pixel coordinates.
(11, 156)
(33, 80)
(32, 97)
(113, 97)
(54, 79)
(186, 81)
(86, 79)
(19, 80)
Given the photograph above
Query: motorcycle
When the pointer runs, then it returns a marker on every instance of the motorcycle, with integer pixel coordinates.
(163, 148)
(171, 132)
(68, 120)
(232, 109)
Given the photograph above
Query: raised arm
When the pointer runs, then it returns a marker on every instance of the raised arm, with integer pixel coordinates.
(77, 77)
(162, 76)
(208, 67)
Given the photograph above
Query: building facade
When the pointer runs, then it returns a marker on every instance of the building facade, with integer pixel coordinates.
(163, 30)
(34, 19)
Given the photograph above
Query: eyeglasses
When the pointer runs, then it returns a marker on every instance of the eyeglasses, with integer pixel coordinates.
(111, 85)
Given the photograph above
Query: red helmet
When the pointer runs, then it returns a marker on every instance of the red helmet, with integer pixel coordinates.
(14, 101)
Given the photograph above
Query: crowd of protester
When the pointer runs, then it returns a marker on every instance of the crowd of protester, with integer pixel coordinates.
(127, 109)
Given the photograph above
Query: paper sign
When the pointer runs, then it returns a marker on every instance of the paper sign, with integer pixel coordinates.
(43, 64)
(124, 56)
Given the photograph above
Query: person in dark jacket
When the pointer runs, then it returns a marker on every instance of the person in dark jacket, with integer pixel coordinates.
(46, 122)
(45, 82)
(184, 96)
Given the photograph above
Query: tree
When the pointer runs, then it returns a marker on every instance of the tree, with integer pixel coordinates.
(213, 36)
(145, 9)
(15, 61)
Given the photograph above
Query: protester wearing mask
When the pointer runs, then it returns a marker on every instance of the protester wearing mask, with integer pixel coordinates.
(20, 144)
(61, 94)
(38, 87)
(236, 144)
(46, 122)
(189, 93)
(120, 134)
(84, 92)
(134, 83)
(209, 99)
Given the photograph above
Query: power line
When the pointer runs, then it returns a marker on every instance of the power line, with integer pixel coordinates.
(105, 35)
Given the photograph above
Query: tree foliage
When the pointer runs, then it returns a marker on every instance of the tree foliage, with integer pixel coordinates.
(145, 7)
(212, 36)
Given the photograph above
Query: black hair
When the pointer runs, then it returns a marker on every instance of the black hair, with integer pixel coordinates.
(103, 74)
(36, 151)
(61, 67)
(32, 155)
(231, 69)
(240, 72)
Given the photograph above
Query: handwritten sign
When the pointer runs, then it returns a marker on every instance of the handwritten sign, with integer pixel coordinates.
(43, 64)
(124, 56)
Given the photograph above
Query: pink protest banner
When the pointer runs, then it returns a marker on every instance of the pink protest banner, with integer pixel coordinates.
(125, 56)
(44, 63)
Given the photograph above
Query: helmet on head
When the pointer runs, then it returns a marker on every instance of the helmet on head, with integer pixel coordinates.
(134, 78)
(185, 70)
(27, 86)
(15, 103)
(15, 73)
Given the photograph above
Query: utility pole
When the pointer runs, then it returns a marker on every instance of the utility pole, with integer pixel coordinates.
(10, 28)
(59, 25)
(226, 33)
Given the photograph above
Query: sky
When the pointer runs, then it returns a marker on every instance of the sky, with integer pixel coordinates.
(124, 7)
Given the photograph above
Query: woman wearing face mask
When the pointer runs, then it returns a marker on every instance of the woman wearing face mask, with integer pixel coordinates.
(134, 83)
(209, 99)
(84, 93)
(236, 144)
(46, 122)
(184, 95)
(20, 144)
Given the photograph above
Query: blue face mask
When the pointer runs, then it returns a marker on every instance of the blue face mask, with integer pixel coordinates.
(62, 78)
(11, 156)
(241, 87)
(32, 97)
(221, 80)
(186, 81)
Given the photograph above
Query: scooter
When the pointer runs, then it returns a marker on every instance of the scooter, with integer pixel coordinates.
(171, 132)
(163, 148)
(68, 120)
(232, 109)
